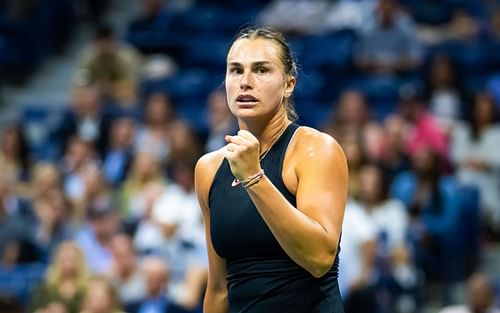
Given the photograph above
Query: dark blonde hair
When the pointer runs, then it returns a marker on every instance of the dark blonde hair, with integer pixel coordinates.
(286, 57)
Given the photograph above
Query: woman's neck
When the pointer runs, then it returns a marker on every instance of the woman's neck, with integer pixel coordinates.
(267, 132)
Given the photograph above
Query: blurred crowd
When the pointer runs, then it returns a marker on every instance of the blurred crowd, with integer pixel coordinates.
(97, 206)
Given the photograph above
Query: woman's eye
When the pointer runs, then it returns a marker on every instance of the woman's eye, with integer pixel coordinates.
(261, 70)
(236, 70)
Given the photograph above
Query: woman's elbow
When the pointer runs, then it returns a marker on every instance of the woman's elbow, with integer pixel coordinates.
(322, 265)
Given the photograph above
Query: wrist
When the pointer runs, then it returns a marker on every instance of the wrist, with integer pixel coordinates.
(247, 182)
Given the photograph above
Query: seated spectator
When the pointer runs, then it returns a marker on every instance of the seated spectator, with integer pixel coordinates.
(444, 90)
(475, 150)
(77, 160)
(95, 238)
(494, 25)
(184, 142)
(154, 17)
(95, 192)
(51, 226)
(85, 119)
(220, 120)
(113, 65)
(45, 178)
(421, 128)
(357, 269)
(15, 244)
(118, 157)
(125, 274)
(178, 214)
(65, 282)
(145, 174)
(480, 297)
(15, 159)
(308, 16)
(390, 219)
(394, 159)
(350, 115)
(433, 208)
(389, 46)
(100, 297)
(153, 137)
(356, 158)
(156, 274)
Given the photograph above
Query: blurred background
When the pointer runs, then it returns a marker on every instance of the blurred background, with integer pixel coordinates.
(105, 106)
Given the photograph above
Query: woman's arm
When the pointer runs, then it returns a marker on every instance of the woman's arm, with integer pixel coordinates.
(310, 233)
(216, 293)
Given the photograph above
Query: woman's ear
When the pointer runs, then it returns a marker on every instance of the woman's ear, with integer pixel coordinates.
(290, 86)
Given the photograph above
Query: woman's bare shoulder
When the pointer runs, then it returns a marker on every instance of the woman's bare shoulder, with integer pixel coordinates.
(210, 162)
(205, 170)
(310, 138)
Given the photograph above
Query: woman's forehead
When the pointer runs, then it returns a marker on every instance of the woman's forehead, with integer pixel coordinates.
(248, 51)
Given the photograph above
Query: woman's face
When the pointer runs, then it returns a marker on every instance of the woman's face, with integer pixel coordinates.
(98, 298)
(11, 142)
(158, 108)
(370, 184)
(484, 110)
(256, 84)
(68, 260)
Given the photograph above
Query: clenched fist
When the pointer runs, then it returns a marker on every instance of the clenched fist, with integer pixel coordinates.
(242, 152)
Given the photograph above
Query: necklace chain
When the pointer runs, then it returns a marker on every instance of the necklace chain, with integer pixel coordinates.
(263, 155)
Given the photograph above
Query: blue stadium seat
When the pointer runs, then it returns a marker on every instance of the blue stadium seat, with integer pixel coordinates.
(21, 280)
(333, 50)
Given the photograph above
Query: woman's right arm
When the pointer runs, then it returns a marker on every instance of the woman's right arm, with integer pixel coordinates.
(216, 294)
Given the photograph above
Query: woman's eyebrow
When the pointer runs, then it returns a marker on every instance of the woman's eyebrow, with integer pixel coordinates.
(258, 63)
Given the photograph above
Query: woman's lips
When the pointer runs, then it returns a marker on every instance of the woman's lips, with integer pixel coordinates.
(246, 101)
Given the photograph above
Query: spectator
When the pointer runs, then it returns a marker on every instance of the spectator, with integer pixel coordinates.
(309, 16)
(145, 174)
(65, 282)
(390, 220)
(357, 271)
(100, 297)
(178, 214)
(95, 238)
(475, 150)
(350, 116)
(421, 129)
(480, 297)
(14, 154)
(444, 90)
(154, 17)
(113, 66)
(156, 274)
(94, 193)
(390, 46)
(494, 25)
(356, 158)
(125, 274)
(394, 159)
(220, 120)
(78, 158)
(46, 177)
(433, 207)
(153, 136)
(15, 244)
(184, 142)
(118, 157)
(50, 226)
(85, 119)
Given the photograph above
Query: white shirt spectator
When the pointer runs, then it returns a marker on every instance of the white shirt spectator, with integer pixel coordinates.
(487, 149)
(357, 229)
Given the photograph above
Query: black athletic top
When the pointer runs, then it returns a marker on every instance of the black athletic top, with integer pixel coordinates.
(261, 277)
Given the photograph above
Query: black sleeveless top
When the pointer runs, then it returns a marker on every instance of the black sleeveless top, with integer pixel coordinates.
(261, 277)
